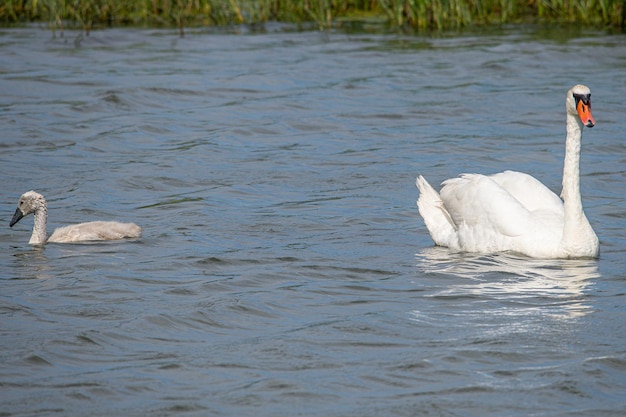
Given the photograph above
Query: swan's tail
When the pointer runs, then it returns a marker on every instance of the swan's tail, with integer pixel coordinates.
(437, 219)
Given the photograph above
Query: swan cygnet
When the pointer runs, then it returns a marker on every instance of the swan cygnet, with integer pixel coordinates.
(33, 202)
(513, 211)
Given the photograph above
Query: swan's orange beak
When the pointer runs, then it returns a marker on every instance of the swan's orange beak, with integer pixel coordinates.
(584, 112)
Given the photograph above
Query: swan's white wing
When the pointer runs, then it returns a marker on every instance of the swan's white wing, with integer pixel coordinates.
(529, 191)
(478, 204)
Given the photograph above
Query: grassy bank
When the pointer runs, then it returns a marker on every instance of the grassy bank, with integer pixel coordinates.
(418, 14)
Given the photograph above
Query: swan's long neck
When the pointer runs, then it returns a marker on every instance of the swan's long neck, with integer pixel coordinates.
(39, 228)
(571, 170)
(579, 239)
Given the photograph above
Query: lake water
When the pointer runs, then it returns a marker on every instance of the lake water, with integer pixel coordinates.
(284, 269)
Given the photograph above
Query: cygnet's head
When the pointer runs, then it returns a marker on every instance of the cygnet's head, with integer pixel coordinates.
(30, 202)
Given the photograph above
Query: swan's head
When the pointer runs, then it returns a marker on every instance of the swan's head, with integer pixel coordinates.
(30, 202)
(578, 103)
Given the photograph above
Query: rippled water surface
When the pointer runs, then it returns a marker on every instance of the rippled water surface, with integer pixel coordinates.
(283, 268)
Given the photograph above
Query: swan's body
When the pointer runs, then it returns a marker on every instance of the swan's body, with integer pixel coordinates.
(33, 202)
(512, 211)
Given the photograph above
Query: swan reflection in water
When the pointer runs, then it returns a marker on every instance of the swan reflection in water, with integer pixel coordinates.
(554, 287)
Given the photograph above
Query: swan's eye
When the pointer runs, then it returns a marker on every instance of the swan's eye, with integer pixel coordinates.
(585, 98)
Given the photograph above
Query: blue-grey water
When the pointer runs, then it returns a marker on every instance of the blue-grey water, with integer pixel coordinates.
(283, 268)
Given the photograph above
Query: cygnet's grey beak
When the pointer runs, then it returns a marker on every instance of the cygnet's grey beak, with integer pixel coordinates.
(16, 217)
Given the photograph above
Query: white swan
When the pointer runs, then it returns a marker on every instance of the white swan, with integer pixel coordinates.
(33, 202)
(512, 211)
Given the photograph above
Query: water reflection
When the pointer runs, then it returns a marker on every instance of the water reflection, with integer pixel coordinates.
(32, 263)
(553, 287)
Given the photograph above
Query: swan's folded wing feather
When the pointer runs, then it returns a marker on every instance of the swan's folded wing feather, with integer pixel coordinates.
(477, 201)
(529, 191)
(97, 230)
(437, 219)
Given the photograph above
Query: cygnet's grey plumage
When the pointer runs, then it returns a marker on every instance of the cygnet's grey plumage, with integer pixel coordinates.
(33, 202)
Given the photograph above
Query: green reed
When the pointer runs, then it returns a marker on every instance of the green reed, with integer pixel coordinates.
(417, 14)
